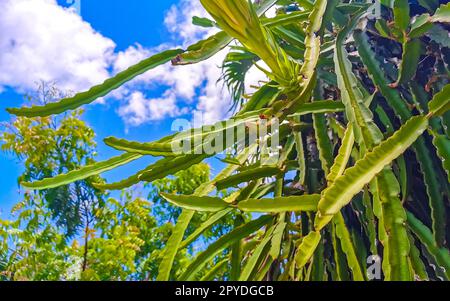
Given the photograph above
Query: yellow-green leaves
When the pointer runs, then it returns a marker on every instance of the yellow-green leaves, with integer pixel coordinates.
(204, 226)
(442, 14)
(353, 180)
(323, 141)
(96, 92)
(341, 161)
(169, 166)
(312, 41)
(395, 100)
(441, 102)
(286, 19)
(311, 51)
(152, 149)
(420, 26)
(252, 262)
(441, 255)
(394, 226)
(240, 20)
(165, 267)
(281, 204)
(82, 173)
(158, 170)
(197, 203)
(442, 144)
(316, 17)
(306, 249)
(203, 49)
(184, 219)
(248, 175)
(348, 247)
(317, 107)
(410, 59)
(401, 14)
(221, 244)
(367, 133)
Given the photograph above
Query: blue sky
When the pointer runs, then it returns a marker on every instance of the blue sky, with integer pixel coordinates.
(77, 53)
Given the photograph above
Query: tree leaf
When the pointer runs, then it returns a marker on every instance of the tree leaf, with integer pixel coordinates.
(207, 48)
(155, 171)
(168, 166)
(312, 42)
(377, 75)
(96, 92)
(306, 249)
(442, 144)
(401, 14)
(431, 5)
(345, 151)
(202, 22)
(425, 236)
(301, 159)
(251, 264)
(281, 204)
(222, 243)
(339, 256)
(420, 26)
(82, 173)
(183, 221)
(204, 49)
(394, 99)
(410, 60)
(347, 247)
(442, 14)
(265, 95)
(248, 175)
(416, 262)
(204, 226)
(171, 248)
(197, 203)
(317, 107)
(151, 149)
(323, 142)
(286, 19)
(353, 180)
(277, 239)
(367, 134)
(214, 270)
(441, 102)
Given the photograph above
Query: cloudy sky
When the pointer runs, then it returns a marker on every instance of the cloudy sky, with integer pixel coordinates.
(53, 41)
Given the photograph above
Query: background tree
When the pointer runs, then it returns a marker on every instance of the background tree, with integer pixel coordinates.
(51, 145)
(364, 172)
(76, 232)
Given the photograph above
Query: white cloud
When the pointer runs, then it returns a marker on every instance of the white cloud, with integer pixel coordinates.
(179, 21)
(194, 85)
(255, 77)
(140, 109)
(40, 40)
(183, 80)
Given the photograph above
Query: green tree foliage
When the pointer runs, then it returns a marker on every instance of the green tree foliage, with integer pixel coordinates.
(49, 146)
(76, 232)
(368, 178)
(124, 241)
